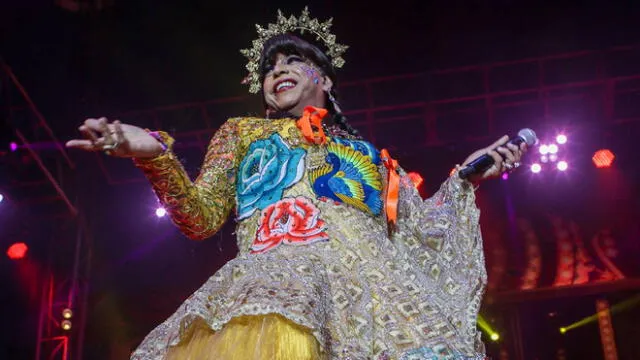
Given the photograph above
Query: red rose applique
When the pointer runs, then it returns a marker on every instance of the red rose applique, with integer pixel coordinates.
(290, 221)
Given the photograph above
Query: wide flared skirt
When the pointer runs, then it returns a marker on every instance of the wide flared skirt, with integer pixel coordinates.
(265, 337)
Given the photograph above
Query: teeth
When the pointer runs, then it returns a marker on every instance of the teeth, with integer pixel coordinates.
(285, 84)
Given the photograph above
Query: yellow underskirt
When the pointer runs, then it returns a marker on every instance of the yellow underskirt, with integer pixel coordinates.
(268, 337)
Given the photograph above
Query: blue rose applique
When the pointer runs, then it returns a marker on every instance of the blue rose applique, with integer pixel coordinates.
(269, 167)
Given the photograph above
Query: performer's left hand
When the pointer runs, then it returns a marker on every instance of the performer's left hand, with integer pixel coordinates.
(506, 157)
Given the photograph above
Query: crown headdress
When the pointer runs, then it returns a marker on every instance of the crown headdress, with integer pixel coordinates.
(287, 25)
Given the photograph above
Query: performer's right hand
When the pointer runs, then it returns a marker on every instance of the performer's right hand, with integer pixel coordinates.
(129, 140)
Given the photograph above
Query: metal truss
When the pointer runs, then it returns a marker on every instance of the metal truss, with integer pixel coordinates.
(43, 192)
(428, 109)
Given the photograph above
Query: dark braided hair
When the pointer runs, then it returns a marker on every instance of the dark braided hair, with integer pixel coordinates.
(288, 44)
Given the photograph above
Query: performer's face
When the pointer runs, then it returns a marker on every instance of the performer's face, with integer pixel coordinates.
(292, 83)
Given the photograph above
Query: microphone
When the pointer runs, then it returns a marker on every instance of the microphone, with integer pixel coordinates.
(485, 161)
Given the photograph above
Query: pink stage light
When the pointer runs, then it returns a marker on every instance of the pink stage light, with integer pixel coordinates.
(544, 149)
(562, 165)
(13, 146)
(536, 168)
(505, 176)
(160, 212)
(561, 139)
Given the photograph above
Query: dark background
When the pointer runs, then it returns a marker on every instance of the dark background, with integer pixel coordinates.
(141, 54)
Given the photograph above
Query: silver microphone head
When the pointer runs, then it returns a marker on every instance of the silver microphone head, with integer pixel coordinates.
(529, 136)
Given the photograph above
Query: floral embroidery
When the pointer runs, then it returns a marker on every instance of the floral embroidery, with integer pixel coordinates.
(291, 221)
(269, 167)
(348, 177)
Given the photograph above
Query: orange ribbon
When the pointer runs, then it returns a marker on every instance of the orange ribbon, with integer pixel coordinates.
(310, 123)
(393, 186)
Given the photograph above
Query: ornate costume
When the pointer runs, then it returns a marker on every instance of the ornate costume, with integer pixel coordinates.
(318, 265)
(314, 246)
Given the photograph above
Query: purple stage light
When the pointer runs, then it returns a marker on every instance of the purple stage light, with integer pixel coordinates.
(562, 165)
(505, 176)
(561, 139)
(13, 146)
(536, 168)
(160, 212)
(544, 149)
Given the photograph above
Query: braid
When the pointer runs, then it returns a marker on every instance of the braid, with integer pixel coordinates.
(339, 118)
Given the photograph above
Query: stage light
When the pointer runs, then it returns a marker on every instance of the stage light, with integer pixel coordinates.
(544, 149)
(495, 336)
(17, 251)
(505, 176)
(416, 179)
(65, 325)
(67, 313)
(562, 165)
(553, 157)
(563, 330)
(536, 168)
(544, 158)
(561, 139)
(553, 149)
(160, 212)
(13, 146)
(603, 158)
(1, 197)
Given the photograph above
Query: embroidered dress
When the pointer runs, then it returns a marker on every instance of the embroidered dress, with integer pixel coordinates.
(316, 259)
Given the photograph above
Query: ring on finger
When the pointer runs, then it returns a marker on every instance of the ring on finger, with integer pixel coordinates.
(110, 148)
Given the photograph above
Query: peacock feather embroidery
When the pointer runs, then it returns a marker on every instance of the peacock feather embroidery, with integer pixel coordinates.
(349, 177)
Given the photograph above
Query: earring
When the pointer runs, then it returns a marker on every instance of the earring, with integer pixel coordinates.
(333, 100)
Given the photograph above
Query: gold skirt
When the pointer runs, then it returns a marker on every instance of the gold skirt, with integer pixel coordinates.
(267, 337)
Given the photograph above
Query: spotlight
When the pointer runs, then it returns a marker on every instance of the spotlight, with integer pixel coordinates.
(65, 325)
(553, 149)
(561, 139)
(160, 212)
(563, 330)
(562, 165)
(544, 158)
(603, 158)
(536, 168)
(553, 157)
(13, 146)
(67, 313)
(505, 176)
(1, 197)
(544, 149)
(17, 251)
(495, 336)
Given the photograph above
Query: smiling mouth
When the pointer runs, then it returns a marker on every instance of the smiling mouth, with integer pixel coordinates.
(284, 85)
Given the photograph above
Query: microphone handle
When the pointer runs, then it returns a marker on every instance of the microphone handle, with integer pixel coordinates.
(485, 161)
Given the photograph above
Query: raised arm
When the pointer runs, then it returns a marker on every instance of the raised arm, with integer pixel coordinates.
(201, 207)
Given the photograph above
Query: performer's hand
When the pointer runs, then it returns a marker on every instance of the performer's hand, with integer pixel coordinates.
(121, 140)
(506, 157)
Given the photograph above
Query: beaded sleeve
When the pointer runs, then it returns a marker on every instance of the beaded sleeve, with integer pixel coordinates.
(201, 207)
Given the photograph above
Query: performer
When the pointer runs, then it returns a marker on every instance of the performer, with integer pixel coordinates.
(339, 256)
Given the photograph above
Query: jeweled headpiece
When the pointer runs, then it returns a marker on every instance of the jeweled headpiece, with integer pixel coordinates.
(283, 26)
